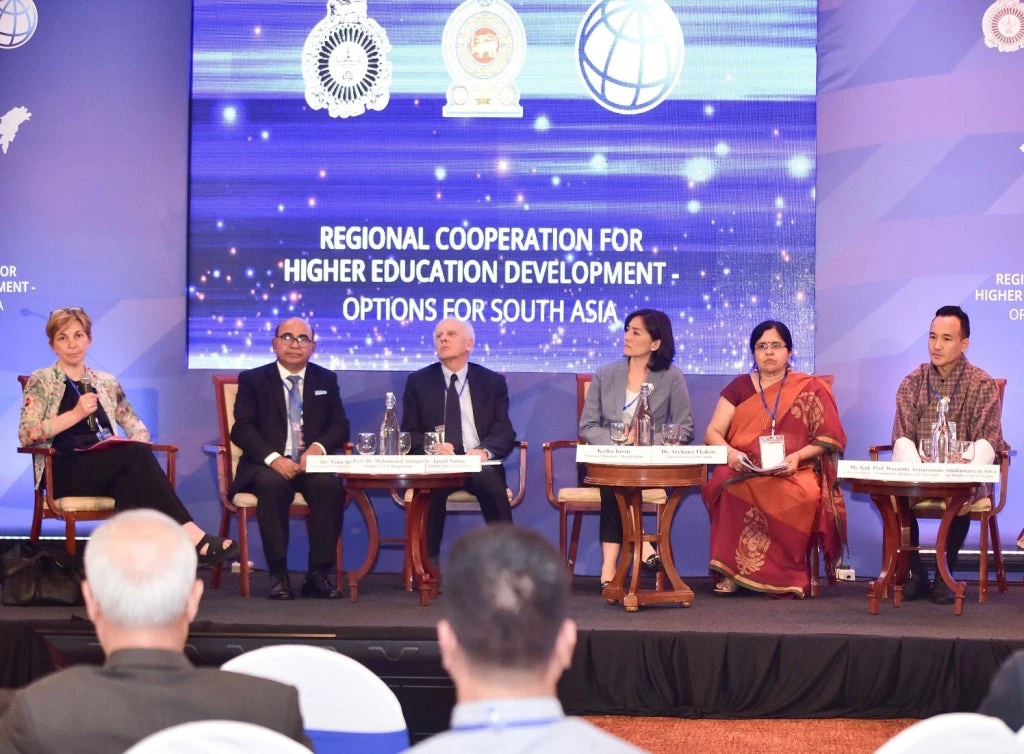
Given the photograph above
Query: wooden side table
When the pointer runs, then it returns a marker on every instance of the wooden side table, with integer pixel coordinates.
(893, 500)
(424, 572)
(629, 483)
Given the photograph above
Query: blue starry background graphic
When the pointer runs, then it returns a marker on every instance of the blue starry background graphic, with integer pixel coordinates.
(719, 178)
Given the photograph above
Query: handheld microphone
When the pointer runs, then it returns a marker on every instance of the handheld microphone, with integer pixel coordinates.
(86, 383)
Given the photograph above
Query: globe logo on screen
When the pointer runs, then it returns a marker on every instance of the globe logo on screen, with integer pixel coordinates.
(18, 20)
(629, 54)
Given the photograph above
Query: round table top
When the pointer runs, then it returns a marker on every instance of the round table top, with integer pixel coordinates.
(620, 475)
(405, 481)
(911, 488)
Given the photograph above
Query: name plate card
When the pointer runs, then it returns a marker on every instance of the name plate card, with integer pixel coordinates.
(451, 464)
(654, 455)
(888, 471)
(392, 465)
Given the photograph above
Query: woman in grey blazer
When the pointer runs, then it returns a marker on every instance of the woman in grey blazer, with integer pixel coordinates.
(649, 348)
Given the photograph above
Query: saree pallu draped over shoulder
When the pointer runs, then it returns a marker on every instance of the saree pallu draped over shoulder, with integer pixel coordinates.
(763, 526)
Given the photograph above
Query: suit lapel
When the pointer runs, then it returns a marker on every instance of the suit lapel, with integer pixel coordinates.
(477, 396)
(437, 390)
(618, 394)
(658, 397)
(308, 394)
(276, 388)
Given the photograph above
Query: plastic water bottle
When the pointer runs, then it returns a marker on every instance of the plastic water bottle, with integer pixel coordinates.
(942, 440)
(643, 421)
(389, 428)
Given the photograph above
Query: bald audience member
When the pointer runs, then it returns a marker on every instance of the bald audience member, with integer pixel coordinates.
(506, 641)
(141, 593)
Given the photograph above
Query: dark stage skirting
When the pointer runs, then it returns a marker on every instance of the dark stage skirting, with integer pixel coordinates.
(742, 656)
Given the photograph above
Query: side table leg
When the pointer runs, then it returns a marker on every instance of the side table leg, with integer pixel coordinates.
(902, 519)
(373, 541)
(635, 535)
(957, 588)
(665, 518)
(615, 591)
(890, 550)
(414, 516)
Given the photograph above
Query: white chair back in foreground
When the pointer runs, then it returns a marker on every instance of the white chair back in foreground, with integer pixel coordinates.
(345, 706)
(217, 737)
(955, 733)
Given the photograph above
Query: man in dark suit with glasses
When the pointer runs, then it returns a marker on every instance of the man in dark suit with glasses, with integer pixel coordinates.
(285, 412)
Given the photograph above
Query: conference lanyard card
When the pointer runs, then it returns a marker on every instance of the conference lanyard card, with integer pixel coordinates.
(773, 451)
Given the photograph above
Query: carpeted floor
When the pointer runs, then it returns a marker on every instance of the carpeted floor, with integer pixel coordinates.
(661, 735)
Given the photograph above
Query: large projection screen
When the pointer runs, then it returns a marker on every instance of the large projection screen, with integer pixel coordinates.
(541, 167)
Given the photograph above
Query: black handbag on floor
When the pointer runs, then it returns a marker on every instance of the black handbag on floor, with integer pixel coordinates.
(33, 576)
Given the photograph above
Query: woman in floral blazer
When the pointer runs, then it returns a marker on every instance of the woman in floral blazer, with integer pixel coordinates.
(72, 408)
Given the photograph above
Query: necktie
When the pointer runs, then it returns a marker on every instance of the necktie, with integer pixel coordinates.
(295, 415)
(453, 417)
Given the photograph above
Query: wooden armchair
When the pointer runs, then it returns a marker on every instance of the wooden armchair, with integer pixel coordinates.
(981, 511)
(580, 500)
(74, 508)
(243, 504)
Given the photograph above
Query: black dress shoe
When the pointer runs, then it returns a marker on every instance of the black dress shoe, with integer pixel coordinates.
(280, 587)
(320, 586)
(941, 594)
(915, 588)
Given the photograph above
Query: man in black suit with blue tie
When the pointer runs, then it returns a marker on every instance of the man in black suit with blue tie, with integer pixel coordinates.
(285, 412)
(472, 404)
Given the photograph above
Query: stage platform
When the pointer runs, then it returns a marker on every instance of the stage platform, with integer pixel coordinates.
(740, 656)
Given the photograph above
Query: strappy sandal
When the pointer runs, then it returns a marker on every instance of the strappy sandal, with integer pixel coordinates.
(216, 550)
(726, 586)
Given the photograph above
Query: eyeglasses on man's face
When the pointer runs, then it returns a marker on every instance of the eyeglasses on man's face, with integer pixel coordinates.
(288, 339)
(773, 346)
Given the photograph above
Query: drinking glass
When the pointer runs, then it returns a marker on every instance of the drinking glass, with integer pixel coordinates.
(924, 447)
(431, 443)
(404, 443)
(366, 443)
(440, 433)
(965, 451)
(672, 434)
(618, 433)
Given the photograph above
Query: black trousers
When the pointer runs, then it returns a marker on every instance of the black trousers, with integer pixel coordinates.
(487, 486)
(326, 501)
(954, 541)
(129, 473)
(610, 527)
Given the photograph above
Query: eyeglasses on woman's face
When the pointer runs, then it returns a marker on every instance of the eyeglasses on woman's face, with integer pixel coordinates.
(773, 346)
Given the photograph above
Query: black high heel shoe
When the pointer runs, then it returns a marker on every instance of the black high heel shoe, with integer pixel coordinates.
(653, 563)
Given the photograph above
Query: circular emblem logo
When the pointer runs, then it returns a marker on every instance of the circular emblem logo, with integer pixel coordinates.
(1003, 25)
(18, 21)
(345, 67)
(629, 54)
(484, 45)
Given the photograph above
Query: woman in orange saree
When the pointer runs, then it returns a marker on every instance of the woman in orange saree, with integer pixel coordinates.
(763, 524)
